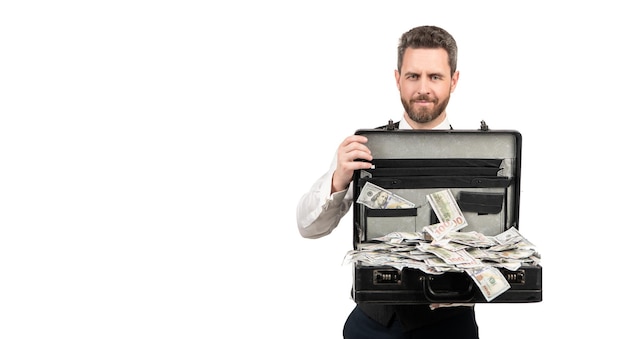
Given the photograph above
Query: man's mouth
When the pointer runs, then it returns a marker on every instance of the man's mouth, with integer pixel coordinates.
(421, 102)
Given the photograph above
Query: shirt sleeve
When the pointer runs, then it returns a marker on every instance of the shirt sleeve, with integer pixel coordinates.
(318, 212)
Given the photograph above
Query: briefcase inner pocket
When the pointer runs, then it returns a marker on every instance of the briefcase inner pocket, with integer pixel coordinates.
(379, 226)
(483, 211)
(481, 202)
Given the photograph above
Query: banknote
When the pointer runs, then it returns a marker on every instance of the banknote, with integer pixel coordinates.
(376, 197)
(451, 257)
(511, 236)
(400, 237)
(482, 262)
(490, 280)
(448, 212)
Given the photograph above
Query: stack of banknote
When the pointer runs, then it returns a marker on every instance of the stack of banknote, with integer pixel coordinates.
(443, 248)
(478, 255)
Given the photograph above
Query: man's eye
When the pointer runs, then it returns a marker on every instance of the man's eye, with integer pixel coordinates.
(436, 77)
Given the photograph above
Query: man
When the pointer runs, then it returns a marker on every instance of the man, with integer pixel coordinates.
(426, 77)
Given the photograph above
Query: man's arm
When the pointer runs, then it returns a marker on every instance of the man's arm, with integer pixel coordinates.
(319, 212)
(329, 199)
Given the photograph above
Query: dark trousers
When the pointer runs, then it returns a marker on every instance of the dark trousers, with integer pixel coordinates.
(360, 326)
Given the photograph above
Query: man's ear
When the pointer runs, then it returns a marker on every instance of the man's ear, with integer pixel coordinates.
(453, 81)
(397, 75)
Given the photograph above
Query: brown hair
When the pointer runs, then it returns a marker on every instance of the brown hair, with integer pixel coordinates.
(428, 37)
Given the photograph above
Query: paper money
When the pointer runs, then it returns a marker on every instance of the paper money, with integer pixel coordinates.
(450, 257)
(490, 280)
(510, 236)
(399, 237)
(471, 238)
(481, 260)
(448, 212)
(376, 197)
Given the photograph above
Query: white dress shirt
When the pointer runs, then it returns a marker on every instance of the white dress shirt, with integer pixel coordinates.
(319, 212)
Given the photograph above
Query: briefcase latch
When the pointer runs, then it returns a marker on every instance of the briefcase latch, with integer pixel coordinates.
(390, 125)
(483, 126)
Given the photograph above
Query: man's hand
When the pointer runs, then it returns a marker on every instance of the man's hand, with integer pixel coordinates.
(352, 148)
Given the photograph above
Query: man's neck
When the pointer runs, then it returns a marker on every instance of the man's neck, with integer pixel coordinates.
(428, 125)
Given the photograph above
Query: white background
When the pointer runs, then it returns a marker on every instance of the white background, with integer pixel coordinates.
(152, 154)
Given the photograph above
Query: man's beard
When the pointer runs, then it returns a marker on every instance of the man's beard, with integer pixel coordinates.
(422, 114)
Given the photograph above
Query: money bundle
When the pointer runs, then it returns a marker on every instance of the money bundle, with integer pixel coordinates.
(474, 253)
(442, 247)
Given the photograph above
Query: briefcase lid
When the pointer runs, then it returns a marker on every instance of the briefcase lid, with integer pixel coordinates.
(461, 149)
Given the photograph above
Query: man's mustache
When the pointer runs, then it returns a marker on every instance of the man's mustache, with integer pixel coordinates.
(422, 97)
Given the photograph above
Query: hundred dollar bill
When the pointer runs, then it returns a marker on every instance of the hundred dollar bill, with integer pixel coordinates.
(451, 257)
(448, 212)
(490, 280)
(376, 197)
(401, 237)
(513, 236)
(471, 238)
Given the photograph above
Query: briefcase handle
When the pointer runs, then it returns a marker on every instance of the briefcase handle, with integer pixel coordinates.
(456, 287)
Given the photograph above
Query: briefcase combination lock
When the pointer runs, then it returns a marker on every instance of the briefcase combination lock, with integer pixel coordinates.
(387, 277)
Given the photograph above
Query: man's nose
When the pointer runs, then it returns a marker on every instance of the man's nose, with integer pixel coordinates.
(423, 87)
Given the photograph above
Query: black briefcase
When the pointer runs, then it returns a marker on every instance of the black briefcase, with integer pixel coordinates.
(481, 168)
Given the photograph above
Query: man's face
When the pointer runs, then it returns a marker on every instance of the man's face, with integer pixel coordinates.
(382, 198)
(425, 84)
